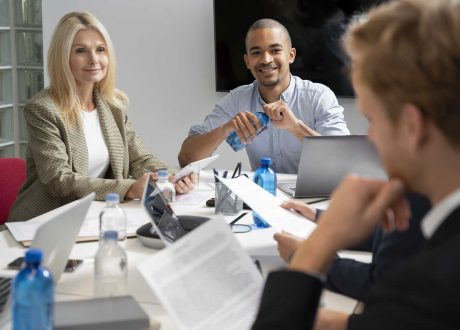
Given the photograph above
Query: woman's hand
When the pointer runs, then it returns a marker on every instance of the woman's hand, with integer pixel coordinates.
(137, 188)
(185, 184)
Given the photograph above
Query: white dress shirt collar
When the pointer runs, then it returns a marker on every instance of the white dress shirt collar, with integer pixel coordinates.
(436, 216)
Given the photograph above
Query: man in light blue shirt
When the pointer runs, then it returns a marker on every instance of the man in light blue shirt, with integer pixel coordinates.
(296, 107)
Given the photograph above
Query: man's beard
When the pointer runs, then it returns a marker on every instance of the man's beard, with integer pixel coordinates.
(270, 83)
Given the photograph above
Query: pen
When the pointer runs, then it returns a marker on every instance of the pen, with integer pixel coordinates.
(216, 174)
(237, 170)
(238, 218)
(318, 200)
(259, 267)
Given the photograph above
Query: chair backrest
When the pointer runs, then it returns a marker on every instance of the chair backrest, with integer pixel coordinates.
(12, 175)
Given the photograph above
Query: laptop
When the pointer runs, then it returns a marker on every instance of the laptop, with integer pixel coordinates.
(326, 160)
(165, 227)
(56, 239)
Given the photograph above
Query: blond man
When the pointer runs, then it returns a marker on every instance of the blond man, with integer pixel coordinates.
(406, 72)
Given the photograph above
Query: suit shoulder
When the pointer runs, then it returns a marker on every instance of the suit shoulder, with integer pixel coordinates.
(42, 101)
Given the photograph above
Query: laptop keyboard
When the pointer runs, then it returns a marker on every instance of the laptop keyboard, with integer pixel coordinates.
(5, 288)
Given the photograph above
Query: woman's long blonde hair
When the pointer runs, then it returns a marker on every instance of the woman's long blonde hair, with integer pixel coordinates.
(62, 82)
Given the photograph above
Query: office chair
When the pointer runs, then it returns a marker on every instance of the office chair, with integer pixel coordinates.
(12, 175)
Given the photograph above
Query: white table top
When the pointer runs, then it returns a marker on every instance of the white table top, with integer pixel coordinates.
(258, 243)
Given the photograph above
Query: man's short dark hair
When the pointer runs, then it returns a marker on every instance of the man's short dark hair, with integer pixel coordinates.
(268, 23)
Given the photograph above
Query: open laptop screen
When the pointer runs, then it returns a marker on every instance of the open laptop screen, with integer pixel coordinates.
(167, 224)
(326, 160)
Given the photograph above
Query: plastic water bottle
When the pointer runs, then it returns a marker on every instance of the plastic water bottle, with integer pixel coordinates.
(110, 267)
(113, 217)
(169, 192)
(33, 295)
(234, 140)
(265, 177)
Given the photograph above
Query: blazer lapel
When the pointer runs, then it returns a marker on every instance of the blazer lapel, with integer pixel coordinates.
(112, 136)
(79, 149)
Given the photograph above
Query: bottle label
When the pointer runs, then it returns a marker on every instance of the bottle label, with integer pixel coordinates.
(234, 140)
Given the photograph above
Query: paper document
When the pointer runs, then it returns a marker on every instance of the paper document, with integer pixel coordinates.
(206, 280)
(24, 231)
(268, 207)
(194, 197)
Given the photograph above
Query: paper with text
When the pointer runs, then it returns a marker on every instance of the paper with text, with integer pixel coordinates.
(268, 207)
(206, 280)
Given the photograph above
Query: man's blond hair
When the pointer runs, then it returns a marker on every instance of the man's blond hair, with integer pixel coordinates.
(408, 51)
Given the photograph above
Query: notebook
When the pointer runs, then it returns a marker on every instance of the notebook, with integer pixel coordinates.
(326, 160)
(55, 238)
(167, 226)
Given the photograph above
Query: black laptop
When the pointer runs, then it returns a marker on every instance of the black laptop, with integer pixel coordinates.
(165, 226)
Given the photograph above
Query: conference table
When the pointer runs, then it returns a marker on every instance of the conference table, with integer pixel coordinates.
(258, 243)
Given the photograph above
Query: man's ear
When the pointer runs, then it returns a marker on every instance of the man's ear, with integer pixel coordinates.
(414, 124)
(292, 54)
(246, 61)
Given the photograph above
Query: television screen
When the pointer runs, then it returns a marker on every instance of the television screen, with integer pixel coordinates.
(315, 27)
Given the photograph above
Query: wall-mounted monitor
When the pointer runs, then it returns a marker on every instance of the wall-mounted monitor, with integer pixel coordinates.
(315, 27)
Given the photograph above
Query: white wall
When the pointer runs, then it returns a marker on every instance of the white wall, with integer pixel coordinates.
(165, 56)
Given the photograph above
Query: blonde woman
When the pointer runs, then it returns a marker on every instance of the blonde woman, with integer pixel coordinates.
(80, 139)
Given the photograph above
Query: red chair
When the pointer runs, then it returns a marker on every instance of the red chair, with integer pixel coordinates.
(12, 175)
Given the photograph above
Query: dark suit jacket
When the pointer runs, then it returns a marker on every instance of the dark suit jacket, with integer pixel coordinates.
(422, 294)
(353, 278)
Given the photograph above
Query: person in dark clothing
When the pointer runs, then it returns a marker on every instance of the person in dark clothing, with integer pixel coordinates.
(406, 74)
(354, 278)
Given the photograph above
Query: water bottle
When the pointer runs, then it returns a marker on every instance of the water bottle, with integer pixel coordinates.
(33, 295)
(265, 177)
(234, 140)
(169, 192)
(110, 267)
(113, 217)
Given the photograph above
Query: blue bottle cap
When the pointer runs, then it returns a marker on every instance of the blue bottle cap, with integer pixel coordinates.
(111, 235)
(112, 197)
(33, 256)
(265, 161)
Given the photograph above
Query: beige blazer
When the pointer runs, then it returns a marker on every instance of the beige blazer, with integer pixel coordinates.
(57, 158)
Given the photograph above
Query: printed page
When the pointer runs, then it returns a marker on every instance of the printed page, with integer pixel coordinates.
(268, 206)
(205, 280)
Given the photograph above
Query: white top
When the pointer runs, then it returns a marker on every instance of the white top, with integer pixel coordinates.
(439, 213)
(98, 154)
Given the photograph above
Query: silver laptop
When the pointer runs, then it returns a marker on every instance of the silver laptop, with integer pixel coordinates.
(326, 160)
(165, 227)
(56, 239)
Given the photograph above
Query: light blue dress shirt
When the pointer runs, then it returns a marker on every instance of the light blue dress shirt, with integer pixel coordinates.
(314, 104)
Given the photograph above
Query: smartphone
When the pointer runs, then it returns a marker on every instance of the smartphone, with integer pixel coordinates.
(71, 265)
